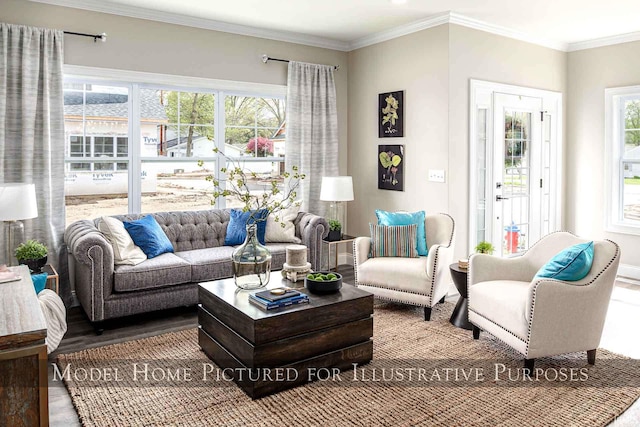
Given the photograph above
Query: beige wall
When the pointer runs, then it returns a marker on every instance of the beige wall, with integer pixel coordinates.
(416, 63)
(141, 45)
(434, 67)
(590, 72)
(479, 55)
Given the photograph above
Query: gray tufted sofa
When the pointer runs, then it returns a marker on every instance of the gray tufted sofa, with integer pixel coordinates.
(107, 291)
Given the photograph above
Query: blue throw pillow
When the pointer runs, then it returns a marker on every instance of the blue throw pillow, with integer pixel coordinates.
(407, 218)
(39, 281)
(237, 228)
(571, 264)
(149, 236)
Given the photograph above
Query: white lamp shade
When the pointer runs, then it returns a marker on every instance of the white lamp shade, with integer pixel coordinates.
(336, 189)
(17, 202)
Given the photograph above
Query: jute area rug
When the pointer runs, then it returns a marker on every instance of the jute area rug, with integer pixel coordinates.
(375, 395)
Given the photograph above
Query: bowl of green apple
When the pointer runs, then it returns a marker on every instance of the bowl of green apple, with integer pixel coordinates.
(323, 282)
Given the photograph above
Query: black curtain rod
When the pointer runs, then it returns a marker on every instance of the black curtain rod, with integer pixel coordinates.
(95, 37)
(266, 58)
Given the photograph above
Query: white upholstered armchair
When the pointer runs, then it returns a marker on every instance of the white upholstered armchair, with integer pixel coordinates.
(422, 281)
(541, 317)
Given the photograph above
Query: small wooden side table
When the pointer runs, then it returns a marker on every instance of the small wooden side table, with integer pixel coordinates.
(53, 280)
(460, 315)
(336, 245)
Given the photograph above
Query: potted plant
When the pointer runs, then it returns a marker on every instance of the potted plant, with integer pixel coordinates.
(32, 254)
(484, 247)
(335, 230)
(251, 260)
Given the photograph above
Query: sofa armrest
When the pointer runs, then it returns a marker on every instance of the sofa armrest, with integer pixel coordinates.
(93, 266)
(311, 229)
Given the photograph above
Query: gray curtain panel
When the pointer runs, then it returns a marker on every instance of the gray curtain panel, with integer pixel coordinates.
(312, 129)
(32, 128)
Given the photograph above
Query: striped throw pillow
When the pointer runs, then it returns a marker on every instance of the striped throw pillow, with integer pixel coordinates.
(394, 240)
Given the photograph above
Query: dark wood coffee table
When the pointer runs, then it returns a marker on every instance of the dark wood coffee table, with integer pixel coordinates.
(269, 351)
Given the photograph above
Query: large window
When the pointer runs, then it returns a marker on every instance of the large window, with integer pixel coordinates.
(178, 130)
(623, 158)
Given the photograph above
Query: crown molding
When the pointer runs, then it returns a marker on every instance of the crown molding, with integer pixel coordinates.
(400, 31)
(328, 43)
(604, 41)
(499, 30)
(207, 24)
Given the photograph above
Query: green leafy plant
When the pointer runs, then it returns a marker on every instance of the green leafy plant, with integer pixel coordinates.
(334, 225)
(32, 249)
(484, 247)
(272, 198)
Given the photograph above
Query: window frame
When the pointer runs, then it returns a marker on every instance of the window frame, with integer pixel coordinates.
(135, 81)
(614, 159)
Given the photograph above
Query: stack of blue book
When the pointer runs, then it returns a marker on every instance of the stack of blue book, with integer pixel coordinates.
(269, 300)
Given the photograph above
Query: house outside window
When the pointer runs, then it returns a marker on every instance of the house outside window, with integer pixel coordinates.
(622, 150)
(177, 130)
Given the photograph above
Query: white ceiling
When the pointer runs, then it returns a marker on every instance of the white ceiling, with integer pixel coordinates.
(350, 23)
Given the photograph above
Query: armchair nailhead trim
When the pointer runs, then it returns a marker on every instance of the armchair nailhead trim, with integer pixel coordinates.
(355, 262)
(535, 288)
(400, 301)
(504, 329)
(393, 289)
(435, 261)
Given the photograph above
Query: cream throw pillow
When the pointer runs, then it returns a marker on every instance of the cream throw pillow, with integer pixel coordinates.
(276, 233)
(125, 252)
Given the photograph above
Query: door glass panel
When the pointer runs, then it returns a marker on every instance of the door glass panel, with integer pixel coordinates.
(481, 168)
(515, 181)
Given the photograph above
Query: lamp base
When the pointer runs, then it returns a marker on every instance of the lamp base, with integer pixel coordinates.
(13, 232)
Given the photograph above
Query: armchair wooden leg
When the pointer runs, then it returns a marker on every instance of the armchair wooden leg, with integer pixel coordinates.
(528, 366)
(427, 314)
(442, 300)
(591, 357)
(476, 332)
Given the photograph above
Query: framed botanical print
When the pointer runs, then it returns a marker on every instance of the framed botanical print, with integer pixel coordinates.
(391, 167)
(391, 114)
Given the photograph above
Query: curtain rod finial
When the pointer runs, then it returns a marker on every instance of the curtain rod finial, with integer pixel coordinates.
(265, 58)
(102, 37)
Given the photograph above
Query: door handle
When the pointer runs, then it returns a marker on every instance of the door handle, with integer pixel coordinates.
(499, 198)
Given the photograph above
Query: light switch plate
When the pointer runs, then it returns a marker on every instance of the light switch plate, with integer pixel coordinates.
(436, 175)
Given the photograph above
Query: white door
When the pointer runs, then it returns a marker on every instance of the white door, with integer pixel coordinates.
(518, 170)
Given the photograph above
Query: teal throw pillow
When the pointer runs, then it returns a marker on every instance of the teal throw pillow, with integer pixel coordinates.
(407, 218)
(237, 228)
(39, 281)
(570, 264)
(149, 236)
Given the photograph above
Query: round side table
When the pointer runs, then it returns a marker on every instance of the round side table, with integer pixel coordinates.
(460, 315)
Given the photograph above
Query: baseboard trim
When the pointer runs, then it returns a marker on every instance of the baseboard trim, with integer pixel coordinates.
(629, 272)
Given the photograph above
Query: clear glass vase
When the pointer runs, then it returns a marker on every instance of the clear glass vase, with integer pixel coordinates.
(251, 262)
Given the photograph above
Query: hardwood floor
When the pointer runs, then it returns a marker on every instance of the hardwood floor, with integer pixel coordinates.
(620, 336)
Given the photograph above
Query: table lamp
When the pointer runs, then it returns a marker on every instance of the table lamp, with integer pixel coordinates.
(337, 190)
(17, 202)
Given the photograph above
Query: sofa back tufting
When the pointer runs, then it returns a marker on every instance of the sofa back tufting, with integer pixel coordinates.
(190, 230)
